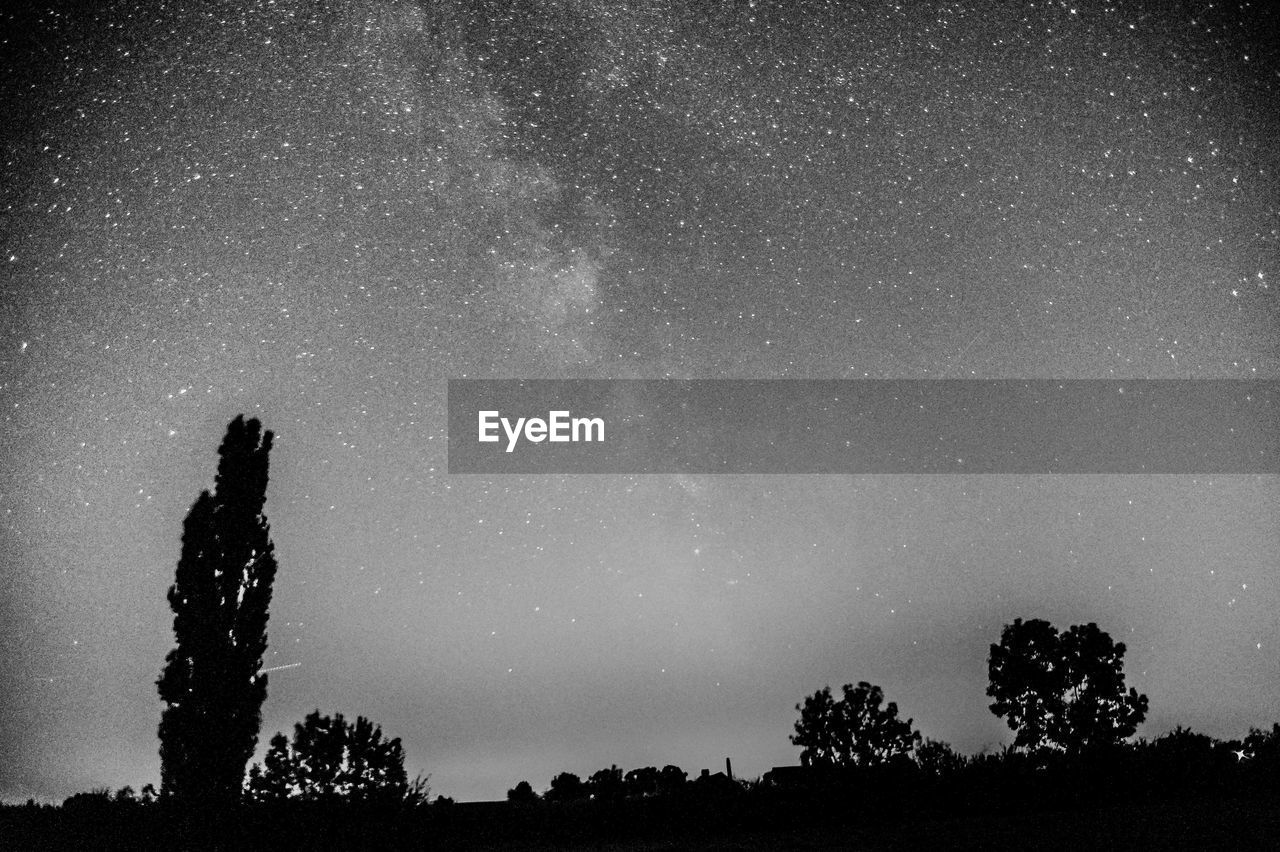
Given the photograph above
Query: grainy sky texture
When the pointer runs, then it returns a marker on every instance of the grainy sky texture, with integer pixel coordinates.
(316, 213)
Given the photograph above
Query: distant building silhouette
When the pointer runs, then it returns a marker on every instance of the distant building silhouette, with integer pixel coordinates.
(716, 782)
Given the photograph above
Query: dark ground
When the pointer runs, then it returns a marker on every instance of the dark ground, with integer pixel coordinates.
(1236, 824)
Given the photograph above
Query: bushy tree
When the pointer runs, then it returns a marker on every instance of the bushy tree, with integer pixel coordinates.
(1099, 711)
(1261, 752)
(522, 793)
(642, 781)
(853, 731)
(277, 778)
(566, 787)
(212, 684)
(1026, 680)
(1261, 744)
(97, 801)
(330, 758)
(1062, 691)
(605, 783)
(938, 758)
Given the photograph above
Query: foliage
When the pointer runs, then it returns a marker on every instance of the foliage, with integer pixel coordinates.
(522, 793)
(612, 783)
(938, 758)
(605, 784)
(566, 787)
(854, 731)
(1062, 691)
(97, 799)
(330, 758)
(1178, 779)
(1261, 744)
(212, 684)
(1261, 753)
(641, 782)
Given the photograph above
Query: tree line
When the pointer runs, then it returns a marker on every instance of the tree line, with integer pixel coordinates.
(1059, 692)
(1062, 693)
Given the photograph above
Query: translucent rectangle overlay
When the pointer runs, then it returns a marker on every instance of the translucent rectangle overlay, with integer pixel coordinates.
(704, 426)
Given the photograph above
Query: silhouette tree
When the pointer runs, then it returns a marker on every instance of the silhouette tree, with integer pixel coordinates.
(854, 731)
(605, 784)
(1025, 675)
(566, 787)
(1062, 691)
(93, 803)
(277, 778)
(641, 782)
(1099, 712)
(331, 758)
(938, 758)
(212, 684)
(522, 793)
(671, 779)
(1261, 744)
(1261, 750)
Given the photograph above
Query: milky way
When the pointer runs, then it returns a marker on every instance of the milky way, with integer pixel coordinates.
(317, 213)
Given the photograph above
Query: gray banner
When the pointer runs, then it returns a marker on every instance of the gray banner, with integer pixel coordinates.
(864, 426)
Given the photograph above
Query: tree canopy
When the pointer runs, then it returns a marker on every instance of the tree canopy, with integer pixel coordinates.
(330, 757)
(1062, 691)
(566, 787)
(522, 792)
(852, 731)
(212, 684)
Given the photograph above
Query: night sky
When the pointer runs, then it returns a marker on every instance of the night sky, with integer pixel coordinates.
(317, 213)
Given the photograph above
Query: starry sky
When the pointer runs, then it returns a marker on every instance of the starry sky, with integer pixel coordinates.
(317, 213)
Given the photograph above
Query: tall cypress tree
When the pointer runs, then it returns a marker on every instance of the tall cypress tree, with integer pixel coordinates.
(212, 685)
